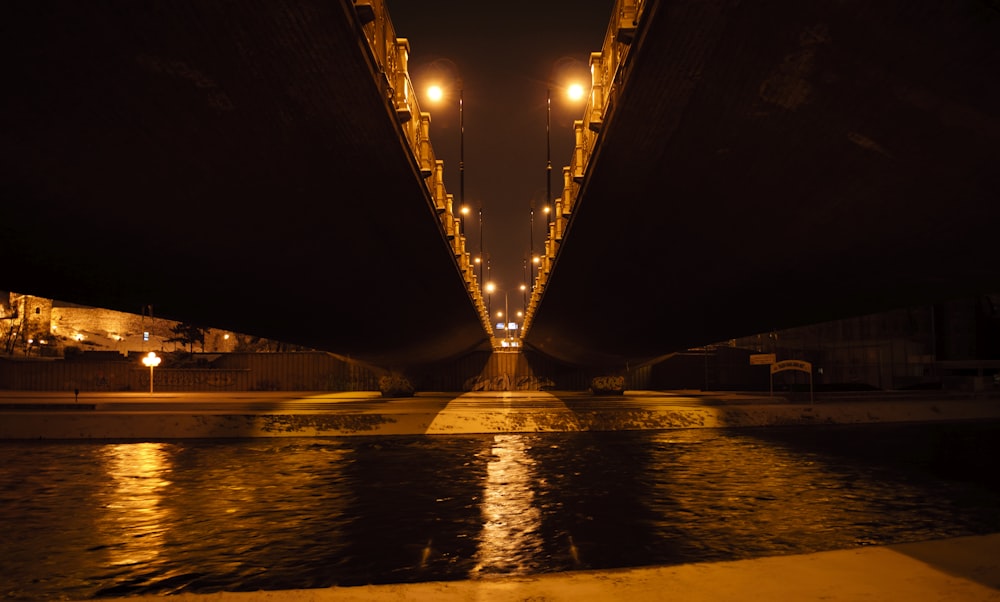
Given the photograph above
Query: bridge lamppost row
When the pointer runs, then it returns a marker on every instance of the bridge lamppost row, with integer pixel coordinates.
(508, 326)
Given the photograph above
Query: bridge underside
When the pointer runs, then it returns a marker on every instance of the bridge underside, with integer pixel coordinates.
(765, 167)
(775, 165)
(236, 167)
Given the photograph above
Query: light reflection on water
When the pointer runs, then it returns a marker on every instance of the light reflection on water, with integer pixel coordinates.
(101, 519)
(510, 539)
(132, 503)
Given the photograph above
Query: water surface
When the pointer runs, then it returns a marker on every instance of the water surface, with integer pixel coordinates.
(93, 519)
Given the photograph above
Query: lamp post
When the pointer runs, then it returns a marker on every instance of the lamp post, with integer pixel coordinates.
(489, 287)
(548, 151)
(482, 253)
(463, 211)
(461, 149)
(574, 92)
(436, 93)
(531, 228)
(152, 361)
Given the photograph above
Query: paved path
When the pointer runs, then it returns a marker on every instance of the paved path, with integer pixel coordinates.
(294, 414)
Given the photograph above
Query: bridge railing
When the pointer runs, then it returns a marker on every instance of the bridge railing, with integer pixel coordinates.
(390, 56)
(607, 69)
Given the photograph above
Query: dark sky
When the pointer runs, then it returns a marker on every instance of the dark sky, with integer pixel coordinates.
(507, 58)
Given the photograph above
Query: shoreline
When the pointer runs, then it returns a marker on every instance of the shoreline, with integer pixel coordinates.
(961, 568)
(125, 416)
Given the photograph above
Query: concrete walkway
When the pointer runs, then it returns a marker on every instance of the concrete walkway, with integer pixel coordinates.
(960, 569)
(297, 414)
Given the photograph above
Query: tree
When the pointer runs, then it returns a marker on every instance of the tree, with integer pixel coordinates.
(188, 334)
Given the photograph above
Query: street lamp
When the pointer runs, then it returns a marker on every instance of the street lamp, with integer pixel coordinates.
(574, 92)
(548, 151)
(436, 93)
(489, 287)
(152, 361)
(464, 211)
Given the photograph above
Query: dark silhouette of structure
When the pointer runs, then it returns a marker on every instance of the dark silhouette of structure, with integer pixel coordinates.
(262, 170)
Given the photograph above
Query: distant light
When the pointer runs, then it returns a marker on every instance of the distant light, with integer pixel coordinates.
(575, 92)
(78, 336)
(152, 361)
(499, 325)
(511, 325)
(465, 210)
(225, 336)
(490, 287)
(435, 93)
(145, 335)
(504, 344)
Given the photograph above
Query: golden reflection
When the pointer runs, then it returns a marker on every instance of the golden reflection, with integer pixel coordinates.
(134, 521)
(511, 519)
(244, 501)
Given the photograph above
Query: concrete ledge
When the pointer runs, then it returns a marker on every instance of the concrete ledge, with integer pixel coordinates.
(304, 415)
(965, 568)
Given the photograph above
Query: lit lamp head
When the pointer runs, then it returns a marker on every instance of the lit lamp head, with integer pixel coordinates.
(151, 360)
(435, 93)
(575, 92)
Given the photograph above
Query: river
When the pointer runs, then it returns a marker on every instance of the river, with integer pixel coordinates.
(93, 519)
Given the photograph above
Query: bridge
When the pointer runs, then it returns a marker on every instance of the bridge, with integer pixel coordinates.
(269, 170)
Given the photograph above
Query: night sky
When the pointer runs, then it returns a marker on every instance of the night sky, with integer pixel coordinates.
(507, 58)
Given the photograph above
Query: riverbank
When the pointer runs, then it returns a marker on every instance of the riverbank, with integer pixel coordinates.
(964, 568)
(28, 415)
